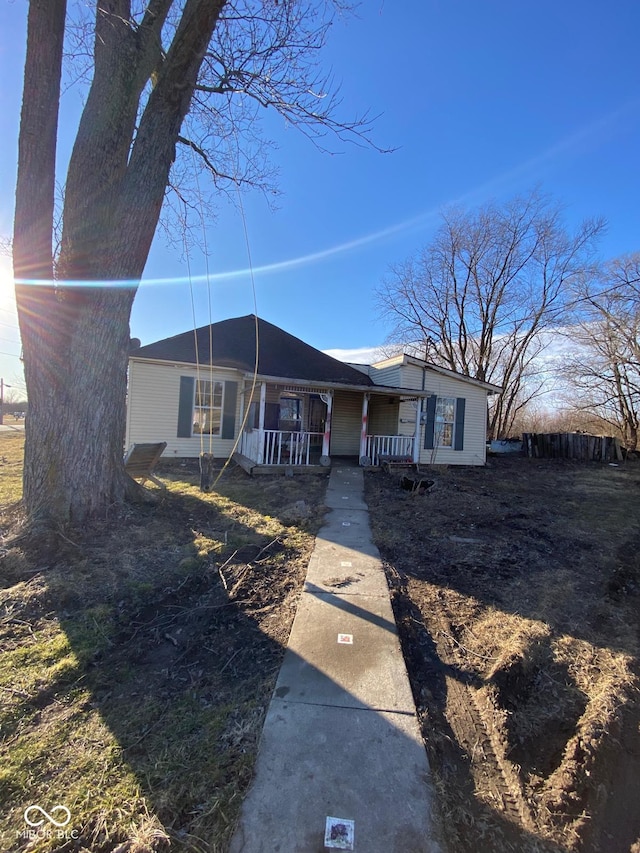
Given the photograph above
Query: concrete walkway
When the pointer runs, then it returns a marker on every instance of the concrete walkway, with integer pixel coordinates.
(341, 764)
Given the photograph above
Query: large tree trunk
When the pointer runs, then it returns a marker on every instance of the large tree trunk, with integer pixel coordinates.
(76, 421)
(33, 224)
(76, 338)
(32, 239)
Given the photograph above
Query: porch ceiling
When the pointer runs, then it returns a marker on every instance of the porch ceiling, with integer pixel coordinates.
(291, 386)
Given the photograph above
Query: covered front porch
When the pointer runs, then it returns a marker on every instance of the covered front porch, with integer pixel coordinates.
(305, 427)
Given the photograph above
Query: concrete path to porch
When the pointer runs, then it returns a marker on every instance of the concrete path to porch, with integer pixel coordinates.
(341, 763)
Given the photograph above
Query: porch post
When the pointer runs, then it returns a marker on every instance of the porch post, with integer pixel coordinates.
(263, 403)
(243, 426)
(326, 438)
(243, 403)
(363, 431)
(416, 434)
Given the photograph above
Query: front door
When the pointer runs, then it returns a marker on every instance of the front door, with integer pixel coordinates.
(317, 419)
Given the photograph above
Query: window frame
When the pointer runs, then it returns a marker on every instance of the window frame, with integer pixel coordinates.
(294, 424)
(444, 426)
(208, 409)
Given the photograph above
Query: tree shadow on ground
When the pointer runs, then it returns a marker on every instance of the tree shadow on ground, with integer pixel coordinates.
(143, 715)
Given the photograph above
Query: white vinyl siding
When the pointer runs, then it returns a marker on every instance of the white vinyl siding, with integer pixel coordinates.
(154, 393)
(386, 375)
(413, 376)
(152, 411)
(407, 418)
(346, 423)
(474, 450)
(383, 416)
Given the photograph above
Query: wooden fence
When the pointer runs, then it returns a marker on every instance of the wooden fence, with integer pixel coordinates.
(571, 445)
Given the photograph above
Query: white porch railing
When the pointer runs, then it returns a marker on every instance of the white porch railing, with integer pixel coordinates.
(250, 444)
(388, 445)
(278, 447)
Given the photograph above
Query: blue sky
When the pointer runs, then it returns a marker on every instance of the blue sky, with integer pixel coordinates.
(481, 99)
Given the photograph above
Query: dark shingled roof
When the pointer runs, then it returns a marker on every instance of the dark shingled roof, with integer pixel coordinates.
(280, 354)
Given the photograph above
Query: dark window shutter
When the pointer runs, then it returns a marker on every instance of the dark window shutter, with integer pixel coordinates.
(430, 422)
(229, 409)
(458, 436)
(185, 406)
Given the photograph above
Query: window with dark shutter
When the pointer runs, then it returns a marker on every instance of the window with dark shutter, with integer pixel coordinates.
(458, 436)
(185, 406)
(444, 422)
(430, 422)
(207, 407)
(229, 410)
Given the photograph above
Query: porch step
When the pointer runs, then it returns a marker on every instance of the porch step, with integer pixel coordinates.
(244, 462)
(254, 470)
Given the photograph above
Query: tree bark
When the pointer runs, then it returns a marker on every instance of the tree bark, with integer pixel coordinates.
(147, 59)
(76, 337)
(33, 225)
(207, 471)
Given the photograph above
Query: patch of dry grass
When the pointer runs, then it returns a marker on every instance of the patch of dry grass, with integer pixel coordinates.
(11, 459)
(516, 591)
(138, 661)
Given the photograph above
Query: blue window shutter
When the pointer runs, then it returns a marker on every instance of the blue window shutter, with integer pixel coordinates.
(458, 436)
(185, 406)
(430, 422)
(229, 410)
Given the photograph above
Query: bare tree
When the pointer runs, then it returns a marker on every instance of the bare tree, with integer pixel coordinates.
(604, 370)
(14, 394)
(153, 63)
(563, 418)
(480, 294)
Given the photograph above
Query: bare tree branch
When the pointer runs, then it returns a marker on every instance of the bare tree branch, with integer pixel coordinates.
(171, 85)
(484, 290)
(205, 157)
(606, 375)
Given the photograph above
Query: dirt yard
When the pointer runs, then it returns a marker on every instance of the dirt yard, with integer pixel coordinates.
(138, 659)
(516, 588)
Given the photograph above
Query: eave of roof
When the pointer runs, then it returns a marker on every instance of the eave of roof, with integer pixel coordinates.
(388, 390)
(320, 384)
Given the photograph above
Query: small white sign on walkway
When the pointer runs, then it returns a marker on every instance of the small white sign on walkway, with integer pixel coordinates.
(339, 833)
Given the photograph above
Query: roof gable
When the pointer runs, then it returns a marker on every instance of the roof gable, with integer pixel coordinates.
(233, 344)
(403, 359)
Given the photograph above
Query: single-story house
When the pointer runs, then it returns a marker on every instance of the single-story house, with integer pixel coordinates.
(205, 391)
